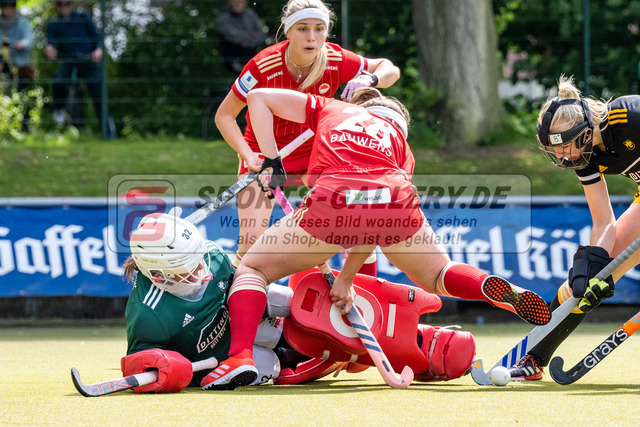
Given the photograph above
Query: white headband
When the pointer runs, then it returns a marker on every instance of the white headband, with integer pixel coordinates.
(391, 115)
(310, 12)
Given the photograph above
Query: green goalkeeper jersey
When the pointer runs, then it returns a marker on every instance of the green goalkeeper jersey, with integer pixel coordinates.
(196, 329)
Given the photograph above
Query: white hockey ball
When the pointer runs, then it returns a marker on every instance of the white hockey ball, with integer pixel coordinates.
(500, 376)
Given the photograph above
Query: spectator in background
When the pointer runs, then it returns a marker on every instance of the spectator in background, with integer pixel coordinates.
(241, 34)
(17, 32)
(73, 38)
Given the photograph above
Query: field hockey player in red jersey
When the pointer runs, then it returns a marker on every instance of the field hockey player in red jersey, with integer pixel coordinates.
(360, 168)
(305, 62)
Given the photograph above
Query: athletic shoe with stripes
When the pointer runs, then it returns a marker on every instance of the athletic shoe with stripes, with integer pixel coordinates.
(527, 369)
(526, 304)
(236, 371)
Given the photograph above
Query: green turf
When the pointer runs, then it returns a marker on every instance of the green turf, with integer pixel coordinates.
(36, 389)
(84, 168)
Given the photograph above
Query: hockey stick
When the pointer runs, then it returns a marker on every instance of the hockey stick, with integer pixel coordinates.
(112, 386)
(358, 323)
(592, 359)
(538, 333)
(228, 194)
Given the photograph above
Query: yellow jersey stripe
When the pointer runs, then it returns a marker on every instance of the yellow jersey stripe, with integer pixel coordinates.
(618, 117)
(615, 122)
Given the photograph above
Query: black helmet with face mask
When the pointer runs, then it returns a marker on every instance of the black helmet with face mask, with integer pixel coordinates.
(577, 142)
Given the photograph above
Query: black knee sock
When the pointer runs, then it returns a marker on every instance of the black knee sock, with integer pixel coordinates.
(543, 351)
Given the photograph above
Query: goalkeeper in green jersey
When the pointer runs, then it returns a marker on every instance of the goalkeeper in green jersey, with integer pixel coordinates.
(177, 314)
(176, 311)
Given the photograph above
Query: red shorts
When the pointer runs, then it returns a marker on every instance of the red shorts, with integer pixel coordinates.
(361, 209)
(295, 164)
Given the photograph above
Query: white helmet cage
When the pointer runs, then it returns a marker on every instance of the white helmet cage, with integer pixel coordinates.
(170, 252)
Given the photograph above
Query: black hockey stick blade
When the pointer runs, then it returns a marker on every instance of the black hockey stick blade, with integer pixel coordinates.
(588, 362)
(106, 387)
(568, 377)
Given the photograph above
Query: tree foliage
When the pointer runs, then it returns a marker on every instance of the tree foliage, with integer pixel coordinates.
(457, 55)
(169, 65)
(551, 32)
(165, 63)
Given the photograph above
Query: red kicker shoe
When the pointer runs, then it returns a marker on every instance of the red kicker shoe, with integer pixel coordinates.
(526, 304)
(236, 371)
(527, 369)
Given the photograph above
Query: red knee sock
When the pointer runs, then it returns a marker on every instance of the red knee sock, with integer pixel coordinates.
(462, 281)
(247, 302)
(370, 269)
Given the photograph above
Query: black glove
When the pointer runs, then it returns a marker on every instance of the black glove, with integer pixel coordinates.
(587, 262)
(278, 175)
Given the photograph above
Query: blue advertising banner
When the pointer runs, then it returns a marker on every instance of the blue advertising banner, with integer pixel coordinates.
(55, 247)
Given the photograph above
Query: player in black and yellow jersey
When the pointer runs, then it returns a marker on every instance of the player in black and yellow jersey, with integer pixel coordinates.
(594, 138)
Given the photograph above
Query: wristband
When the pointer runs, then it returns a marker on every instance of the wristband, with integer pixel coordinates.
(373, 77)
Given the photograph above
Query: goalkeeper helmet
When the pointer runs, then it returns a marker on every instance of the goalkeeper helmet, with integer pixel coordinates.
(170, 252)
(572, 148)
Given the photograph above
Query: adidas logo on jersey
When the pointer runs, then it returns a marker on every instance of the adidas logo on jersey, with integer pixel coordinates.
(187, 319)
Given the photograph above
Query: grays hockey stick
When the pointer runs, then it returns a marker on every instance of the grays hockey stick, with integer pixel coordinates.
(359, 325)
(125, 383)
(538, 333)
(592, 359)
(228, 194)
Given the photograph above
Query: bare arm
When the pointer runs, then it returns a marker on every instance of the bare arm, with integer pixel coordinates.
(226, 123)
(384, 69)
(266, 103)
(342, 293)
(603, 233)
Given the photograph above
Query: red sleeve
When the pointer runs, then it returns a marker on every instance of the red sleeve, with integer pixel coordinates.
(314, 105)
(249, 78)
(353, 64)
(409, 162)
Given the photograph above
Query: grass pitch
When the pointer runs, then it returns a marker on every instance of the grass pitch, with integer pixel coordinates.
(36, 388)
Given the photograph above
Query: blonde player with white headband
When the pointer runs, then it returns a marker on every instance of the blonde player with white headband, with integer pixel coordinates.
(361, 197)
(304, 62)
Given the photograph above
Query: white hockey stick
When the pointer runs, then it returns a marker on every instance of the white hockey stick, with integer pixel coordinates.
(359, 325)
(111, 386)
(538, 333)
(228, 194)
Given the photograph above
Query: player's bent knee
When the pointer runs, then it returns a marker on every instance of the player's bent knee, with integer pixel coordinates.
(243, 282)
(267, 364)
(269, 332)
(279, 300)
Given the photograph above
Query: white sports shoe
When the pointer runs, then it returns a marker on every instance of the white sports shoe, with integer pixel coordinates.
(59, 116)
